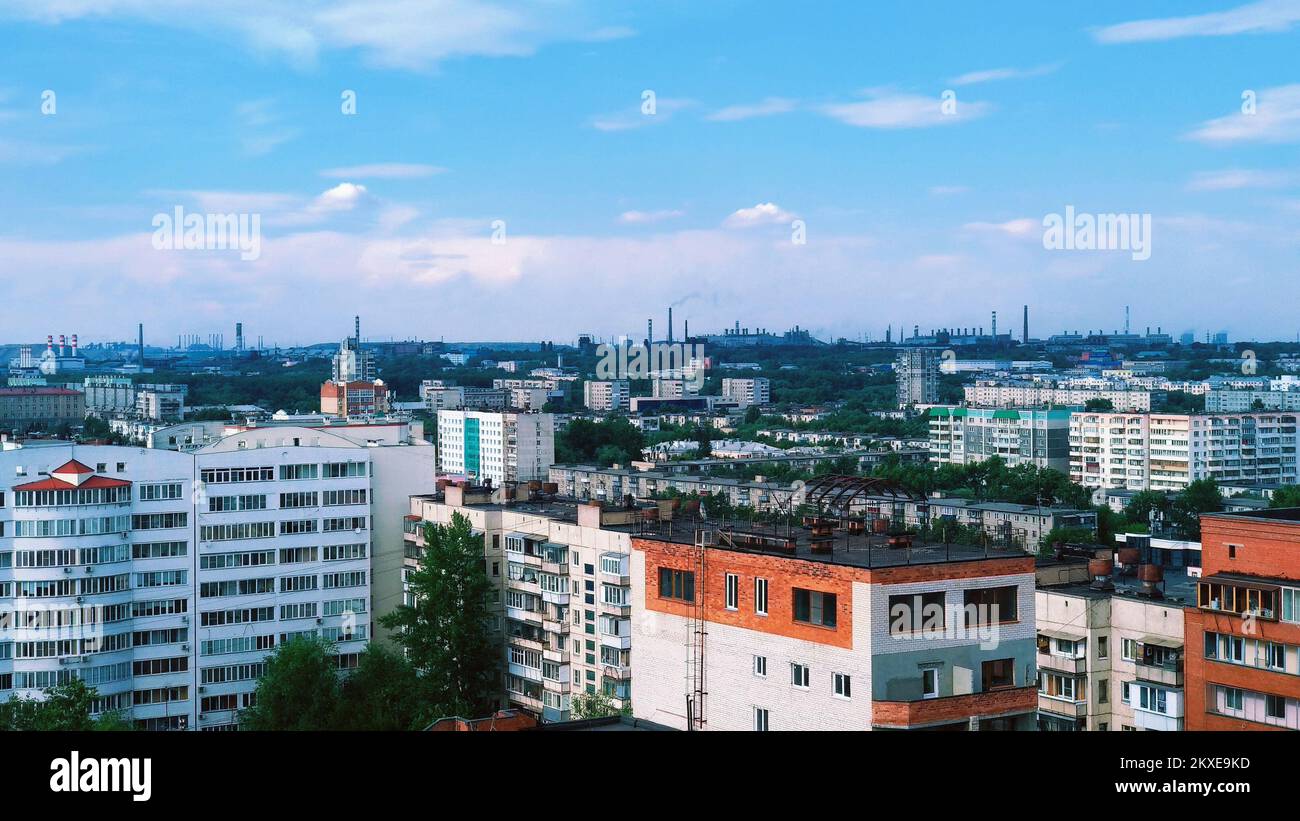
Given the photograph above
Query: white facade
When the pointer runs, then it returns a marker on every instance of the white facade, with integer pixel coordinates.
(755, 391)
(183, 580)
(502, 447)
(1154, 451)
(608, 397)
(1032, 395)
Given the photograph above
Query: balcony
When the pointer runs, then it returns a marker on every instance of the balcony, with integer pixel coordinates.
(1065, 707)
(617, 671)
(933, 712)
(1062, 664)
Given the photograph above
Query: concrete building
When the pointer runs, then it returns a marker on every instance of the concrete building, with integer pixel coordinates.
(352, 363)
(674, 389)
(993, 394)
(1236, 401)
(41, 407)
(109, 395)
(496, 447)
(590, 483)
(358, 398)
(1153, 451)
(961, 436)
(608, 396)
(164, 579)
(562, 606)
(1243, 634)
(739, 631)
(750, 391)
(1110, 649)
(160, 403)
(917, 372)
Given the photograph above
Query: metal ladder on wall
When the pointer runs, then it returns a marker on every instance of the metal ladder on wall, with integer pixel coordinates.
(698, 631)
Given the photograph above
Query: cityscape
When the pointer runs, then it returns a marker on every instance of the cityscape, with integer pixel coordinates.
(557, 367)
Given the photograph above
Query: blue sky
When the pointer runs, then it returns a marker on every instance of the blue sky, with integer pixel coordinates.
(530, 113)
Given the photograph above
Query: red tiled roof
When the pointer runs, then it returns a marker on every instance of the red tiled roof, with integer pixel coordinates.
(72, 466)
(59, 484)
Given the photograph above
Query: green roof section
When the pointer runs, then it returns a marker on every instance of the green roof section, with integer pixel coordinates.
(1004, 413)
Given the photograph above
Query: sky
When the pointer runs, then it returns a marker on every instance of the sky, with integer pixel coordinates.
(538, 169)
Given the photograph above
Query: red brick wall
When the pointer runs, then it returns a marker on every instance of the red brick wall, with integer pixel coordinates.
(1267, 548)
(953, 708)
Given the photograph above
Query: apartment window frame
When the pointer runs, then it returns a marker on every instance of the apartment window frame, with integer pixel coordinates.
(732, 590)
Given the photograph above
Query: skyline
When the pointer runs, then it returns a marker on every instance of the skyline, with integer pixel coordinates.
(532, 115)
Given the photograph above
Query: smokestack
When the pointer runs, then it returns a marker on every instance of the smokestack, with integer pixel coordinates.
(49, 343)
(1126, 320)
(995, 325)
(140, 342)
(357, 320)
(1025, 338)
(74, 344)
(239, 336)
(63, 340)
(686, 330)
(670, 324)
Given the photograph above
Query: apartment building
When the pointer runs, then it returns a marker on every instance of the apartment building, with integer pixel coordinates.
(995, 394)
(41, 406)
(588, 482)
(109, 395)
(161, 403)
(789, 631)
(164, 579)
(609, 396)
(562, 603)
(355, 398)
(496, 447)
(1243, 635)
(673, 389)
(1110, 649)
(917, 372)
(1239, 401)
(1154, 451)
(748, 391)
(961, 436)
(529, 398)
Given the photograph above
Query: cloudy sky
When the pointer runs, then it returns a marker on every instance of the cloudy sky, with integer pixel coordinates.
(540, 168)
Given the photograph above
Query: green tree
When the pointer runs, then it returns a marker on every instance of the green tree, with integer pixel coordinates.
(1201, 496)
(593, 705)
(446, 633)
(1286, 496)
(65, 708)
(1099, 404)
(299, 690)
(384, 692)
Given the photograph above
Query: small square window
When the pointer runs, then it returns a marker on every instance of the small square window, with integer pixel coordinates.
(843, 685)
(760, 666)
(799, 675)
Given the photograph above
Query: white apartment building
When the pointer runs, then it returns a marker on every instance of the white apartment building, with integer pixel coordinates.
(563, 593)
(746, 392)
(500, 447)
(608, 396)
(917, 372)
(109, 395)
(439, 396)
(161, 403)
(1154, 451)
(674, 388)
(1236, 401)
(529, 398)
(961, 436)
(164, 579)
(994, 394)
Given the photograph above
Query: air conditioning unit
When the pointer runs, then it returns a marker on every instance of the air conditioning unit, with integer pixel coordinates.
(67, 570)
(90, 571)
(185, 648)
(320, 621)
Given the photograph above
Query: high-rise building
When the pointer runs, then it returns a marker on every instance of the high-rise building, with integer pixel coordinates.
(1163, 451)
(962, 436)
(1243, 634)
(606, 396)
(496, 447)
(748, 391)
(917, 372)
(163, 579)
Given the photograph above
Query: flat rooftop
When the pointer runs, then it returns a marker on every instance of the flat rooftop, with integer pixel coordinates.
(1179, 589)
(1283, 514)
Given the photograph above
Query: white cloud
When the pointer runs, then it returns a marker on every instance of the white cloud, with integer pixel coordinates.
(1265, 17)
(406, 34)
(1017, 228)
(890, 110)
(1238, 178)
(992, 74)
(383, 171)
(1276, 119)
(948, 190)
(764, 213)
(260, 129)
(646, 217)
(768, 107)
(633, 118)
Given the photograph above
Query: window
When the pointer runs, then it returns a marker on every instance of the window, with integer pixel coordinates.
(760, 666)
(998, 673)
(760, 720)
(1102, 647)
(676, 584)
(812, 607)
(929, 682)
(733, 591)
(1232, 699)
(1103, 691)
(1275, 655)
(1128, 649)
(760, 596)
(799, 675)
(1275, 706)
(843, 685)
(1124, 695)
(990, 605)
(915, 613)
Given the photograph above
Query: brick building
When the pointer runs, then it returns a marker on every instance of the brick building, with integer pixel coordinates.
(40, 406)
(792, 631)
(1243, 635)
